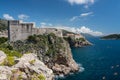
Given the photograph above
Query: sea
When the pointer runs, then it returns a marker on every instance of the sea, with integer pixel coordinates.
(101, 61)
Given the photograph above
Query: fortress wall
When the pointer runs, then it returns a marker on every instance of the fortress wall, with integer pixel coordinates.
(57, 32)
(26, 30)
(20, 31)
(39, 31)
(42, 31)
(14, 30)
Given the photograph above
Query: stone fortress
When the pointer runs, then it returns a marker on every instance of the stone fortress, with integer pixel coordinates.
(18, 30)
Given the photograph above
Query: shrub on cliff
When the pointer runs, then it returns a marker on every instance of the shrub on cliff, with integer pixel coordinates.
(80, 39)
(3, 40)
(32, 39)
(41, 77)
(70, 40)
(9, 61)
(38, 77)
(6, 46)
(11, 52)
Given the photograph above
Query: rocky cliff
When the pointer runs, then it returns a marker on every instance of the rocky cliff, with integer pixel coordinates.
(75, 40)
(54, 51)
(28, 67)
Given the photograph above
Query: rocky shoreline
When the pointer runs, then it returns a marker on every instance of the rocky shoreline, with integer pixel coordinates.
(82, 44)
(29, 67)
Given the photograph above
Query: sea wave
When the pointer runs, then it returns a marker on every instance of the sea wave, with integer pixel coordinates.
(81, 69)
(59, 76)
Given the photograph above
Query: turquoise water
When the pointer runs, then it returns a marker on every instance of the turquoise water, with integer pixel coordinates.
(102, 60)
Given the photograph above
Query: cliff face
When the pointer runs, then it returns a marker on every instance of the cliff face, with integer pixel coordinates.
(75, 40)
(64, 63)
(80, 43)
(54, 51)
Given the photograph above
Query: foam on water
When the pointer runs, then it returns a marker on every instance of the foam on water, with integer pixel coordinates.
(81, 69)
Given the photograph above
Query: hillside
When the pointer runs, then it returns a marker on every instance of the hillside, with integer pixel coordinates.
(112, 36)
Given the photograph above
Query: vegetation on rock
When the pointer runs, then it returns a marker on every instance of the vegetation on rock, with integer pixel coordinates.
(11, 52)
(48, 44)
(41, 77)
(32, 62)
(9, 61)
(79, 41)
(3, 40)
(38, 77)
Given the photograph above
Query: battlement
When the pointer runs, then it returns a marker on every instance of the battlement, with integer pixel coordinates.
(18, 30)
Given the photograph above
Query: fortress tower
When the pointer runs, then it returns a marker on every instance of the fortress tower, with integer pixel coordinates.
(17, 30)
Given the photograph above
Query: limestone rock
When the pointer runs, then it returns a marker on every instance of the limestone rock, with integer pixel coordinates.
(5, 73)
(29, 63)
(2, 56)
(27, 68)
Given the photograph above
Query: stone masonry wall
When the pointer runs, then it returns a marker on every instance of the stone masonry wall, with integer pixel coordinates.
(20, 31)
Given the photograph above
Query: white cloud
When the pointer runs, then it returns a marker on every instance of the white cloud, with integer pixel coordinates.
(8, 17)
(44, 24)
(74, 18)
(23, 16)
(81, 16)
(50, 24)
(86, 14)
(82, 29)
(81, 2)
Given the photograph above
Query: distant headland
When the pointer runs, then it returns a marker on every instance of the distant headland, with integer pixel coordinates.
(112, 37)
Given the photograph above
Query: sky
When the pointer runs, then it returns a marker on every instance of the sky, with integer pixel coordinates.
(96, 17)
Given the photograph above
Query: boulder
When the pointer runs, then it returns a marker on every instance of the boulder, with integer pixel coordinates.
(29, 63)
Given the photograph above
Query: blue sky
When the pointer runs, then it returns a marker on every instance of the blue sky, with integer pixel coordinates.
(92, 16)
